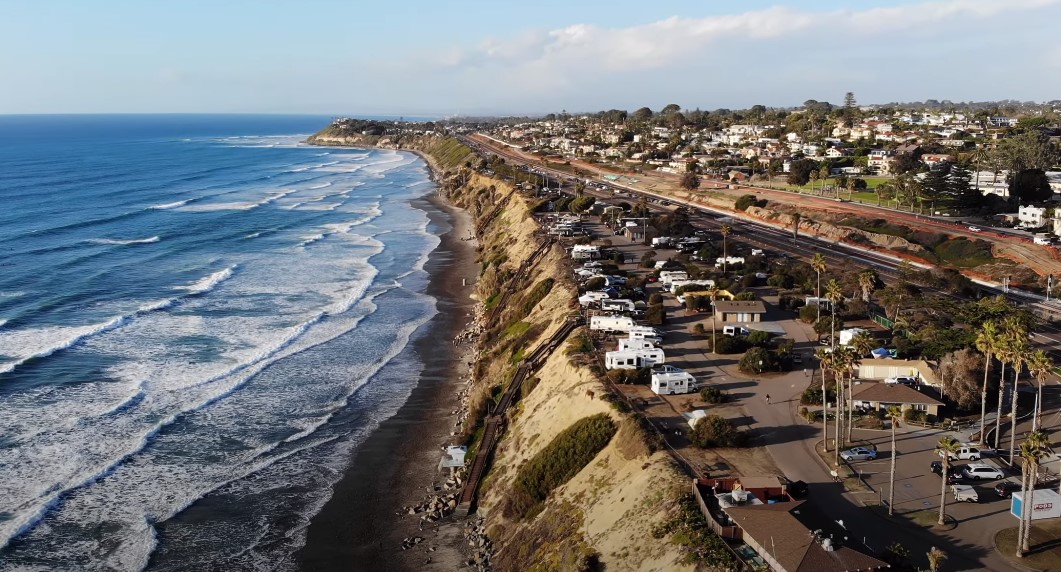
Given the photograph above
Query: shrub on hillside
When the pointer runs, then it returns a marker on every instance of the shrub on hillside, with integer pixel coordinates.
(713, 395)
(630, 376)
(595, 283)
(536, 294)
(728, 344)
(716, 431)
(560, 460)
(758, 360)
(746, 201)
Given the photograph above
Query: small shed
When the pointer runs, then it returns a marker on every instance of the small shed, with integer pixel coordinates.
(740, 310)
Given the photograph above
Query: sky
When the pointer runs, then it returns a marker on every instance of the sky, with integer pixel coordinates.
(479, 57)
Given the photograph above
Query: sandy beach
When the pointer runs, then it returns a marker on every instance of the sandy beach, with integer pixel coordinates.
(363, 525)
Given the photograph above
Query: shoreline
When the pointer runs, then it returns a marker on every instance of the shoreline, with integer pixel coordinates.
(364, 523)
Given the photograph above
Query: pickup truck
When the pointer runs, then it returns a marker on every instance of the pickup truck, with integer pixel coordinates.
(964, 493)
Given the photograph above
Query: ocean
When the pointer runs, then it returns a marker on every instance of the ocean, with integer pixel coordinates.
(200, 319)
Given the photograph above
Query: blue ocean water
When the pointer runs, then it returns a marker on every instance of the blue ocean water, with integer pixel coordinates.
(200, 318)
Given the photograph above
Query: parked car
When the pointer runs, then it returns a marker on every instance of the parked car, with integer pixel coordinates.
(965, 453)
(980, 471)
(1005, 489)
(964, 493)
(954, 471)
(858, 454)
(975, 228)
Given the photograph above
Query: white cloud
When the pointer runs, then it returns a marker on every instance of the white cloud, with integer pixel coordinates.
(584, 62)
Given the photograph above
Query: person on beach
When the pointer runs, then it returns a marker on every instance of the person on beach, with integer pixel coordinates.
(768, 398)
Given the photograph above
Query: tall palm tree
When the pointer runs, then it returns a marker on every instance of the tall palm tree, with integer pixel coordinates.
(818, 264)
(726, 230)
(987, 342)
(895, 413)
(979, 156)
(1018, 356)
(947, 446)
(867, 280)
(1040, 365)
(841, 363)
(712, 293)
(1032, 450)
(825, 363)
(1003, 352)
(834, 292)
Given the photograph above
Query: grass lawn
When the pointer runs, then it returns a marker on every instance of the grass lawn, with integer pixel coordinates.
(1045, 545)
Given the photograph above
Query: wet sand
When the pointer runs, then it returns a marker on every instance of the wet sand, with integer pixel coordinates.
(363, 525)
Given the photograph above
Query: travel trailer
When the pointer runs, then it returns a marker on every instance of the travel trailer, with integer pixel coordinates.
(735, 331)
(611, 323)
(633, 359)
(635, 344)
(676, 284)
(668, 276)
(619, 305)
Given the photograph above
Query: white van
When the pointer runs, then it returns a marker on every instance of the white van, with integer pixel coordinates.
(735, 331)
(633, 359)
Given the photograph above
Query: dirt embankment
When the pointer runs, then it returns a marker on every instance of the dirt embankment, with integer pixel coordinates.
(607, 510)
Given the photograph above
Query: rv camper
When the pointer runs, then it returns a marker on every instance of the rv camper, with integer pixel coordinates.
(619, 305)
(633, 359)
(668, 276)
(735, 331)
(611, 323)
(627, 344)
(673, 382)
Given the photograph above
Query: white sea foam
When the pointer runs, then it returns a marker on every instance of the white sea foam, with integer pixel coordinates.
(208, 283)
(32, 343)
(115, 241)
(320, 186)
(308, 240)
(174, 205)
(253, 235)
(12, 294)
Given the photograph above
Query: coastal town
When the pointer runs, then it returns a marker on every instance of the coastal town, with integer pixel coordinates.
(806, 367)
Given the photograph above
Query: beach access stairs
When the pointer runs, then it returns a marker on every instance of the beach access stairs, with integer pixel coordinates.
(494, 426)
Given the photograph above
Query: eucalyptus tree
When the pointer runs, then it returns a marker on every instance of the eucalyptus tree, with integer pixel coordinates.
(987, 341)
(947, 447)
(818, 264)
(895, 413)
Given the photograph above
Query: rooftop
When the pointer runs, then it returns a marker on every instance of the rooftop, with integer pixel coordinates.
(752, 306)
(891, 393)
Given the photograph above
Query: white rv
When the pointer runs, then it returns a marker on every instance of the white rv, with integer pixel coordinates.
(673, 382)
(848, 335)
(735, 331)
(635, 344)
(611, 323)
(668, 276)
(633, 359)
(662, 241)
(585, 252)
(618, 305)
(593, 298)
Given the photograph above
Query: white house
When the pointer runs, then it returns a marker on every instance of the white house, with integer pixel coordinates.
(880, 161)
(1031, 216)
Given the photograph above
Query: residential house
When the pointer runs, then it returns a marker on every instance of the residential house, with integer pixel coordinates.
(881, 396)
(935, 159)
(880, 161)
(837, 152)
(783, 535)
(1032, 216)
(740, 310)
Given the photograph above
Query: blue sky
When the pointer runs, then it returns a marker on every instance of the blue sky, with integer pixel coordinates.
(477, 56)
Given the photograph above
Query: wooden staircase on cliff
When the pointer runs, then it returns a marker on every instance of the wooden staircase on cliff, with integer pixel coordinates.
(495, 422)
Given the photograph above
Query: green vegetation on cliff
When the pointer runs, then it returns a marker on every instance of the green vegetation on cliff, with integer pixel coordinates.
(560, 460)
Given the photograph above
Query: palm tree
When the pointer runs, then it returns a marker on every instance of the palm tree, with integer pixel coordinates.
(825, 363)
(841, 363)
(835, 294)
(1032, 450)
(867, 280)
(987, 342)
(796, 218)
(947, 446)
(1017, 357)
(979, 156)
(895, 413)
(863, 342)
(935, 559)
(1040, 365)
(1003, 351)
(712, 293)
(818, 264)
(726, 229)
